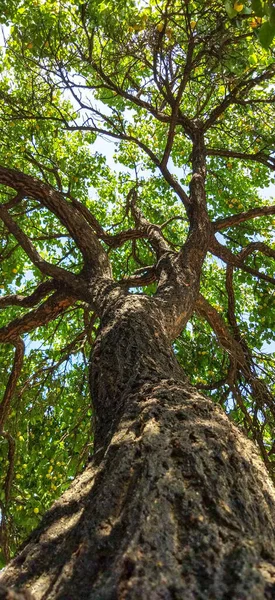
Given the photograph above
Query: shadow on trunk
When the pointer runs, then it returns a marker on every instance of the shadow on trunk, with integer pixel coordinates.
(178, 507)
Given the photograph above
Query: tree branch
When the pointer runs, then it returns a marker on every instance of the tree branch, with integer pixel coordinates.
(179, 274)
(258, 157)
(14, 201)
(175, 106)
(205, 310)
(113, 241)
(152, 232)
(261, 246)
(12, 381)
(242, 87)
(142, 277)
(232, 259)
(45, 267)
(234, 220)
(77, 226)
(27, 301)
(11, 455)
(46, 312)
(254, 428)
(155, 160)
(239, 356)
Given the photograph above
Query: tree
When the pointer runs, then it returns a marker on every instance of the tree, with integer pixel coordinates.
(156, 277)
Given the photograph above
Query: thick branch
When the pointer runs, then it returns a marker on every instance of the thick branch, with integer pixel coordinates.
(11, 384)
(76, 284)
(77, 226)
(113, 241)
(179, 275)
(44, 266)
(46, 312)
(143, 277)
(27, 301)
(258, 157)
(233, 220)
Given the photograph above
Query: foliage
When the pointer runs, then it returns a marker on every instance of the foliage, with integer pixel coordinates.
(137, 73)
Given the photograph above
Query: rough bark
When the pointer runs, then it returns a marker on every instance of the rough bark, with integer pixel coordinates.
(175, 503)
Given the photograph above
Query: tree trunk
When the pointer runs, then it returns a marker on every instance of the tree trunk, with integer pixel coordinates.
(175, 504)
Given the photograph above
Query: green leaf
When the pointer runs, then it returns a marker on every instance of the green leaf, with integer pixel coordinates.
(258, 7)
(266, 34)
(230, 9)
(272, 16)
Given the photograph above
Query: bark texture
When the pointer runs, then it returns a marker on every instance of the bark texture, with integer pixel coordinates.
(175, 504)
